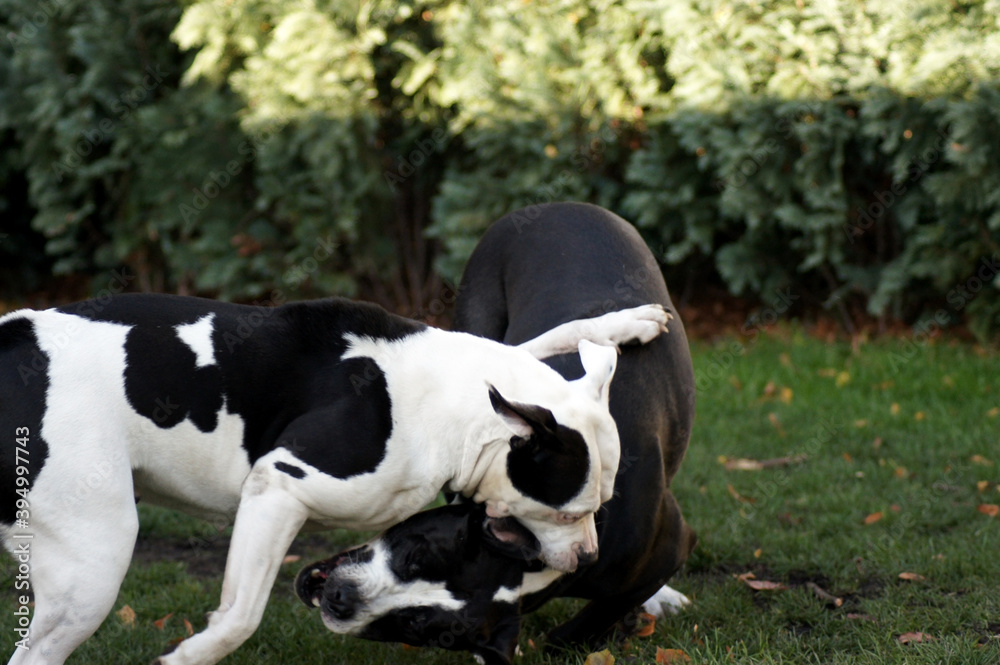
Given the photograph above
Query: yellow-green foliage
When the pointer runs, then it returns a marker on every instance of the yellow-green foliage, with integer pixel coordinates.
(847, 150)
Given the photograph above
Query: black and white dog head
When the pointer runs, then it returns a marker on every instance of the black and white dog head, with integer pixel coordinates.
(441, 578)
(560, 466)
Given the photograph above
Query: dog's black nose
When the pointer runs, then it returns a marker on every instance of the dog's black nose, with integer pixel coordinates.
(341, 600)
(584, 559)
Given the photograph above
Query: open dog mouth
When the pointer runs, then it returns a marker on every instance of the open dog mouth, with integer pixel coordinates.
(310, 583)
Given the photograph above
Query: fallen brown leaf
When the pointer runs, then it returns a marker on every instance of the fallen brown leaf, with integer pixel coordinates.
(648, 625)
(874, 517)
(983, 485)
(127, 616)
(671, 656)
(291, 558)
(744, 464)
(773, 418)
(600, 658)
(912, 577)
(990, 509)
(980, 460)
(860, 617)
(907, 638)
(160, 623)
(790, 520)
(739, 497)
(188, 627)
(764, 585)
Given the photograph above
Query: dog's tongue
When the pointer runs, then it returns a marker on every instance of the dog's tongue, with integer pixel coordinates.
(309, 583)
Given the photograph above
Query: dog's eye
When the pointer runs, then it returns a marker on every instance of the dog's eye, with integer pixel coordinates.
(411, 564)
(568, 518)
(417, 621)
(416, 562)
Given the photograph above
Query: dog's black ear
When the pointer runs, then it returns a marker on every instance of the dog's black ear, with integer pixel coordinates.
(523, 419)
(497, 648)
(507, 536)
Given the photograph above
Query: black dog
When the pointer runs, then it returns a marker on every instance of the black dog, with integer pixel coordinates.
(534, 270)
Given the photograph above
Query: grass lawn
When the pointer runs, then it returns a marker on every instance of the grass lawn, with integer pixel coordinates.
(901, 449)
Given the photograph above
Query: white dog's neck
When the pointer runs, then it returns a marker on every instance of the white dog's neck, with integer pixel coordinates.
(439, 385)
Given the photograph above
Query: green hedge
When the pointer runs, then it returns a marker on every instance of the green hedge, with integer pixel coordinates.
(268, 150)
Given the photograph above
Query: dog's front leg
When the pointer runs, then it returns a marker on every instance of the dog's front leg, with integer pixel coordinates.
(640, 324)
(267, 521)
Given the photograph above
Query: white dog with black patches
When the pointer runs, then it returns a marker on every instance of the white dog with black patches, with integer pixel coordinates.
(321, 414)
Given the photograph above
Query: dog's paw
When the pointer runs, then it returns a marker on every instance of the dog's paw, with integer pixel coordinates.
(640, 324)
(163, 659)
(666, 601)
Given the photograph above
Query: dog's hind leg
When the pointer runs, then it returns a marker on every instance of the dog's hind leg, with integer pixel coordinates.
(77, 562)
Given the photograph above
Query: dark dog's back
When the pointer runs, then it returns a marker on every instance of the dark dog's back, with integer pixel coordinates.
(549, 264)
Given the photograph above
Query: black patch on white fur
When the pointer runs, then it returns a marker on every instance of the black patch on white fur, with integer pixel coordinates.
(290, 469)
(163, 383)
(355, 419)
(24, 382)
(278, 368)
(550, 467)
